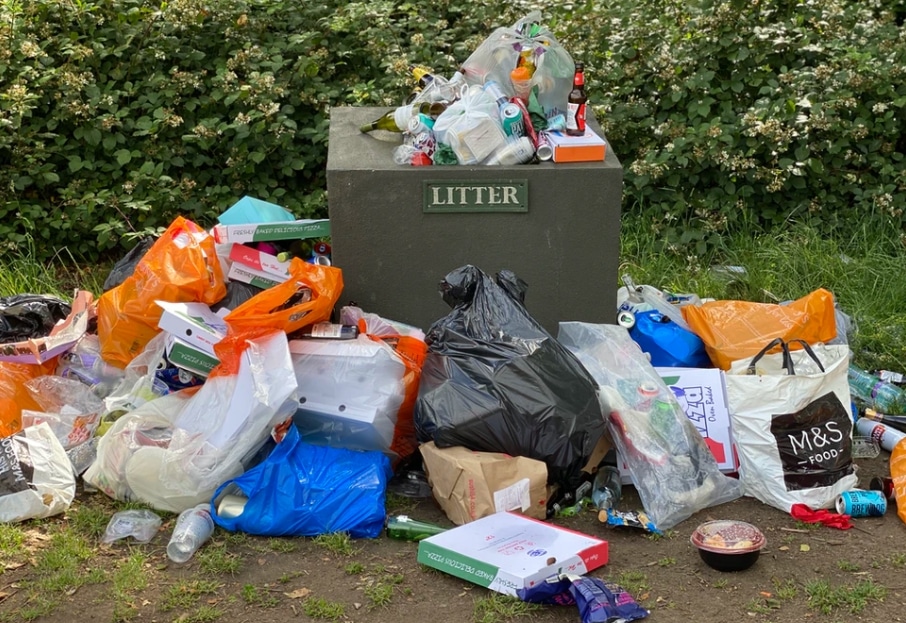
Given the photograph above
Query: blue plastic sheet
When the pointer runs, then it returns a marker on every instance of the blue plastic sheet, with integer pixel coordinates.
(306, 490)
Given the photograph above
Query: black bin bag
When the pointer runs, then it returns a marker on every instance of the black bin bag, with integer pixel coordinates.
(495, 381)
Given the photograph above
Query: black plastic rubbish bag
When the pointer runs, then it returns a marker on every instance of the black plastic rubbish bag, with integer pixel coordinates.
(495, 381)
(125, 266)
(30, 316)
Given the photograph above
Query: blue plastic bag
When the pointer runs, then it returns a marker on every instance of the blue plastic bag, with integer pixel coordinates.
(306, 490)
(669, 344)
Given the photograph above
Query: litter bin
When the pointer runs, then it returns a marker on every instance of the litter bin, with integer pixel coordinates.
(396, 231)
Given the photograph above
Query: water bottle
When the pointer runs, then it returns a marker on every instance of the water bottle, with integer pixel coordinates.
(883, 396)
(193, 527)
(606, 491)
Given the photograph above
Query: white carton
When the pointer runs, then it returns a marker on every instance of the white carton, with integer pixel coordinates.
(193, 323)
(507, 551)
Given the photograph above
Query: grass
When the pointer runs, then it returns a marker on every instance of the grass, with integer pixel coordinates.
(338, 543)
(214, 559)
(898, 561)
(186, 593)
(320, 608)
(498, 607)
(827, 599)
(254, 596)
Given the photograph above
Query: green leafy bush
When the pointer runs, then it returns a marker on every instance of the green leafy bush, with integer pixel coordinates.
(751, 114)
(118, 115)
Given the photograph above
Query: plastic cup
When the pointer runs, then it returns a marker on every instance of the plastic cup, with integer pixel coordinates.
(193, 528)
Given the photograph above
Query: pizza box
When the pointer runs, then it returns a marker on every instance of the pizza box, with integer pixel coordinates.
(508, 551)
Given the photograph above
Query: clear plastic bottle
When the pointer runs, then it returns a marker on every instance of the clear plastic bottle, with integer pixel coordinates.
(607, 489)
(194, 526)
(881, 395)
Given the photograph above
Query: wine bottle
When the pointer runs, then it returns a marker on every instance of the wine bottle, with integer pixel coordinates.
(402, 528)
(397, 120)
(329, 331)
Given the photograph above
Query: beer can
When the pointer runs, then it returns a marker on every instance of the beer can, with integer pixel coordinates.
(511, 119)
(514, 151)
(420, 123)
(544, 151)
(884, 485)
(861, 503)
(231, 506)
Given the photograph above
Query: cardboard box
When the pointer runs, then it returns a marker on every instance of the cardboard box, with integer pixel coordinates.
(505, 552)
(469, 485)
(193, 323)
(587, 148)
(259, 261)
(188, 357)
(284, 230)
(257, 278)
(702, 394)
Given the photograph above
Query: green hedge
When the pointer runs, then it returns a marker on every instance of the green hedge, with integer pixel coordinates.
(118, 115)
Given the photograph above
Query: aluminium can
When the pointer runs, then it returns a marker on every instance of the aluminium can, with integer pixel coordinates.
(512, 121)
(861, 503)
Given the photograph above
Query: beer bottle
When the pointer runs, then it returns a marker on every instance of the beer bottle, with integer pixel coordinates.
(575, 103)
(397, 120)
(402, 528)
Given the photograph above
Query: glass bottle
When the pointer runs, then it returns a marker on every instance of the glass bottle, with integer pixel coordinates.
(403, 528)
(607, 488)
(397, 120)
(329, 331)
(575, 104)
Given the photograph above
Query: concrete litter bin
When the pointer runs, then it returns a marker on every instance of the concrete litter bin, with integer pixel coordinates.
(396, 231)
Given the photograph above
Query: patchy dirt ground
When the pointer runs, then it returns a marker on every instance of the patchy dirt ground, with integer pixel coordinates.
(805, 573)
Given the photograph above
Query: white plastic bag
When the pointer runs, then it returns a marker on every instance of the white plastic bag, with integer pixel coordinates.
(793, 432)
(498, 55)
(671, 466)
(174, 451)
(36, 478)
(471, 126)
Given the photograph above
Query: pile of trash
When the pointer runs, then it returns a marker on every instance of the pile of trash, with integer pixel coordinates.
(518, 98)
(215, 378)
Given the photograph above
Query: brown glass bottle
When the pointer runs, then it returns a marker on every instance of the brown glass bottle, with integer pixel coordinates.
(575, 103)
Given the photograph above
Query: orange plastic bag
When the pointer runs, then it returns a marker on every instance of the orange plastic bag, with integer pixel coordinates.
(180, 267)
(307, 297)
(14, 396)
(733, 330)
(898, 475)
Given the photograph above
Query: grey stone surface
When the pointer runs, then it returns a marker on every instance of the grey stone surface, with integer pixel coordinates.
(393, 255)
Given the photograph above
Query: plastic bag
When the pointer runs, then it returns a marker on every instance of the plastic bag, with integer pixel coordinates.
(36, 478)
(68, 406)
(174, 451)
(181, 266)
(734, 330)
(499, 54)
(307, 297)
(139, 383)
(671, 466)
(14, 395)
(494, 380)
(307, 490)
(471, 126)
(141, 524)
(125, 266)
(27, 316)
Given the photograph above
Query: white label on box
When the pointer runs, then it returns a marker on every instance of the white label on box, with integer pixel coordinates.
(514, 497)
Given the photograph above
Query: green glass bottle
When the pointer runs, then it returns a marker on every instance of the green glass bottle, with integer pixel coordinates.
(403, 528)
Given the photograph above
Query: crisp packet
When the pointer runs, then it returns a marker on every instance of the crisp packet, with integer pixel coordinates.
(598, 603)
(631, 519)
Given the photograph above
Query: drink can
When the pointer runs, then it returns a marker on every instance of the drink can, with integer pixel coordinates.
(420, 123)
(511, 119)
(886, 437)
(544, 151)
(556, 123)
(884, 484)
(861, 503)
(231, 506)
(493, 88)
(425, 142)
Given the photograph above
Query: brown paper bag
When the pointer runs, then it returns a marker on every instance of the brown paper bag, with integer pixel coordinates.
(469, 485)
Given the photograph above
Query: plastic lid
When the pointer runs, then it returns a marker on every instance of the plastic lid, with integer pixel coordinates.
(727, 536)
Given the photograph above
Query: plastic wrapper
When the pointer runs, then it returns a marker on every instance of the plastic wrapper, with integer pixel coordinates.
(140, 383)
(671, 466)
(499, 54)
(141, 524)
(598, 601)
(495, 381)
(69, 407)
(307, 490)
(181, 266)
(173, 452)
(36, 478)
